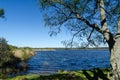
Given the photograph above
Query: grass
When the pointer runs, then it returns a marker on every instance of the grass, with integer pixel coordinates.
(25, 77)
(47, 77)
(95, 74)
(23, 53)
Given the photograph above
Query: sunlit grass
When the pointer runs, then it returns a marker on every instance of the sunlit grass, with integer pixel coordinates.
(25, 77)
(69, 75)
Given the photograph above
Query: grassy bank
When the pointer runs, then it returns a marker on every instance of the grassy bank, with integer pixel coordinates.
(94, 74)
(15, 60)
(23, 53)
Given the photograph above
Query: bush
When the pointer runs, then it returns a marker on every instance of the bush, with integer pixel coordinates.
(4, 51)
(7, 59)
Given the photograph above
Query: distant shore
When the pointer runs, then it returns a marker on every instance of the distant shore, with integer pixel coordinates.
(52, 49)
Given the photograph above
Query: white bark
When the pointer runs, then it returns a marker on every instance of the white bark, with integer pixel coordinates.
(118, 25)
(114, 43)
(115, 59)
(115, 55)
(104, 28)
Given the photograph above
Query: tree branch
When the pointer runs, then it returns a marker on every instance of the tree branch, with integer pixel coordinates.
(85, 5)
(118, 25)
(106, 11)
(90, 34)
(77, 33)
(94, 26)
(59, 10)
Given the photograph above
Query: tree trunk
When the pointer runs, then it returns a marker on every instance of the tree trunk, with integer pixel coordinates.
(115, 55)
(115, 59)
(113, 42)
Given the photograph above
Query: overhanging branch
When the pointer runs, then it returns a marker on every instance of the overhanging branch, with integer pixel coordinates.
(94, 26)
(59, 10)
(77, 33)
(90, 34)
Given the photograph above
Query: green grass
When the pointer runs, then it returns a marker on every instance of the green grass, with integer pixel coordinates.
(94, 74)
(25, 77)
(47, 77)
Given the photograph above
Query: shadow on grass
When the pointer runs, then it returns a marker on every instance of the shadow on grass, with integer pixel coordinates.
(97, 74)
(93, 74)
(61, 77)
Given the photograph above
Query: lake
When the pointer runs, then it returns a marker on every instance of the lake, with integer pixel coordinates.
(46, 62)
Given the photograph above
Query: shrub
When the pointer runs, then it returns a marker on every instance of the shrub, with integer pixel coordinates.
(7, 58)
(4, 51)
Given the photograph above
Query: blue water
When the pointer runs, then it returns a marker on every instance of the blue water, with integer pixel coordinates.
(52, 61)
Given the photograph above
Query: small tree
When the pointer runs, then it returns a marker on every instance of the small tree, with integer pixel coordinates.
(4, 51)
(7, 59)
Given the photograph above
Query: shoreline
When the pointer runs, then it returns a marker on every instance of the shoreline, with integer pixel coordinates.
(79, 74)
(54, 49)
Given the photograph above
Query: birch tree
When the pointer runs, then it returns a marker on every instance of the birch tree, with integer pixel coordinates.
(91, 21)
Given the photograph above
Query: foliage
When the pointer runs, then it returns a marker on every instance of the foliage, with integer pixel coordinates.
(25, 56)
(90, 21)
(24, 53)
(81, 17)
(6, 54)
(12, 48)
(27, 52)
(1, 13)
(3, 76)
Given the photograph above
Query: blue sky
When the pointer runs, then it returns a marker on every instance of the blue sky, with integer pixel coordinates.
(24, 25)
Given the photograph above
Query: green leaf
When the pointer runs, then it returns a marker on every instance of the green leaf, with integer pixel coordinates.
(1, 13)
